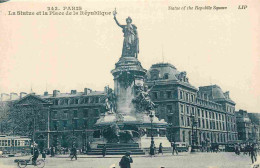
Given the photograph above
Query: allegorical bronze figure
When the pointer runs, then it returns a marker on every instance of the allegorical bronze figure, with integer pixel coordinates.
(131, 41)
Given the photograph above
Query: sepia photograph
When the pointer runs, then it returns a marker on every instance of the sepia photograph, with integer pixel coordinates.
(129, 84)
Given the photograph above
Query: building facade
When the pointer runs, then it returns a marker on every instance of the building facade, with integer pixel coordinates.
(59, 119)
(248, 126)
(205, 114)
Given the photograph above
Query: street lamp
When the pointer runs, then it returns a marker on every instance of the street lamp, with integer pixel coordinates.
(151, 115)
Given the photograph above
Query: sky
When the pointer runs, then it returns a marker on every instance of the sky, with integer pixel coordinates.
(76, 52)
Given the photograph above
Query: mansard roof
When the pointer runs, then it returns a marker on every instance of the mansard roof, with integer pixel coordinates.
(215, 93)
(168, 74)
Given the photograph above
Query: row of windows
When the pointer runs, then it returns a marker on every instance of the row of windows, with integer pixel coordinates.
(186, 109)
(85, 113)
(203, 123)
(163, 95)
(189, 97)
(14, 143)
(73, 124)
(209, 104)
(72, 101)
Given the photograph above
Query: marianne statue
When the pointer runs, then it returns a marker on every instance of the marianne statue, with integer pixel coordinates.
(131, 41)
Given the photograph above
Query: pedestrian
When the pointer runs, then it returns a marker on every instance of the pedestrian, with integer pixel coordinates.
(73, 153)
(174, 149)
(253, 153)
(44, 154)
(126, 161)
(35, 155)
(160, 149)
(52, 151)
(88, 147)
(104, 150)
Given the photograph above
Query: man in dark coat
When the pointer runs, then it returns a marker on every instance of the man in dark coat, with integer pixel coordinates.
(253, 153)
(35, 155)
(174, 149)
(126, 161)
(73, 153)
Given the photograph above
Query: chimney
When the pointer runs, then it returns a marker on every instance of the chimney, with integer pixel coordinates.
(87, 91)
(22, 94)
(106, 89)
(73, 92)
(226, 94)
(13, 96)
(45, 93)
(55, 93)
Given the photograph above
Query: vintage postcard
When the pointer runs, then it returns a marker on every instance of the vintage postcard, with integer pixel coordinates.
(120, 83)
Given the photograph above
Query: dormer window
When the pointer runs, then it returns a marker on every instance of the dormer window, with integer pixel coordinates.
(166, 76)
(154, 74)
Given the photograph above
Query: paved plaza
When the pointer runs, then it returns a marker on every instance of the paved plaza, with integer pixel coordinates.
(184, 160)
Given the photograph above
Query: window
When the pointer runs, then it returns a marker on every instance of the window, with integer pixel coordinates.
(76, 101)
(181, 94)
(199, 122)
(198, 112)
(97, 100)
(65, 114)
(54, 114)
(169, 94)
(85, 113)
(166, 76)
(182, 108)
(187, 97)
(203, 123)
(193, 110)
(192, 98)
(75, 113)
(161, 94)
(188, 121)
(56, 102)
(187, 110)
(75, 124)
(86, 100)
(182, 120)
(66, 101)
(202, 112)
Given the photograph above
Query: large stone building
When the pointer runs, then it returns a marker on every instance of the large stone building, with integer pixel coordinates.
(248, 126)
(207, 111)
(62, 118)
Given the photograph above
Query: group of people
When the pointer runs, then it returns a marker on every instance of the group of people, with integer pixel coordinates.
(250, 149)
(152, 150)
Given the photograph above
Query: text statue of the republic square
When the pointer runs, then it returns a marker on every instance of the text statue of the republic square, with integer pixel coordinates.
(130, 116)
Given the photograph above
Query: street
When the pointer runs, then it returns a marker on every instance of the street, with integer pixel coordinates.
(184, 160)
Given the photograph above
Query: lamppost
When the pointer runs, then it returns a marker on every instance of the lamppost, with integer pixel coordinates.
(194, 137)
(151, 115)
